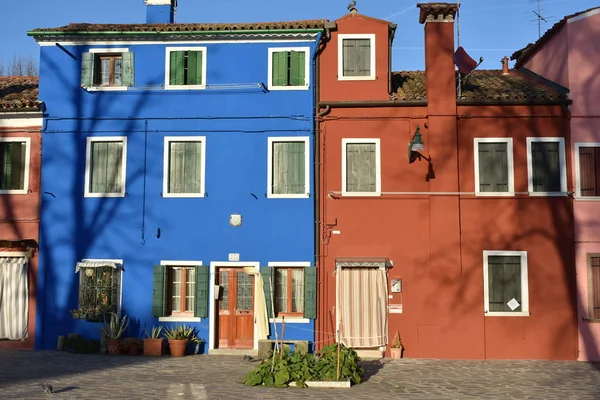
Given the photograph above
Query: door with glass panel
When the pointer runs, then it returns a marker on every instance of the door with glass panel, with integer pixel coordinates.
(235, 325)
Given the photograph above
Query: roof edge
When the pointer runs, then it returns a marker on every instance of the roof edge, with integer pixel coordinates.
(41, 34)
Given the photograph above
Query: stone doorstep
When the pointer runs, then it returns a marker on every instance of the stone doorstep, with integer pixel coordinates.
(233, 352)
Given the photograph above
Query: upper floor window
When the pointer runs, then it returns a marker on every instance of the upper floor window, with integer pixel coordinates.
(288, 167)
(361, 167)
(505, 290)
(105, 166)
(107, 69)
(494, 166)
(184, 166)
(587, 164)
(185, 68)
(14, 160)
(593, 287)
(288, 68)
(356, 57)
(546, 165)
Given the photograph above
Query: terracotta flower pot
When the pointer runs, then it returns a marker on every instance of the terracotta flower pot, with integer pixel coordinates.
(153, 347)
(177, 347)
(113, 346)
(396, 353)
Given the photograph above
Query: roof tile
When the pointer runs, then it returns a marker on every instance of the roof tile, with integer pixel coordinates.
(19, 92)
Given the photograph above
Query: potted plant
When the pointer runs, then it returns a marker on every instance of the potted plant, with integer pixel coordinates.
(195, 343)
(154, 343)
(178, 337)
(78, 314)
(113, 331)
(396, 346)
(132, 345)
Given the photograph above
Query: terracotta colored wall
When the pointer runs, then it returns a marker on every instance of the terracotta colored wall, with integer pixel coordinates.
(19, 220)
(334, 90)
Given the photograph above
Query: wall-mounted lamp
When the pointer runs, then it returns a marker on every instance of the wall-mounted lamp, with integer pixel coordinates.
(414, 146)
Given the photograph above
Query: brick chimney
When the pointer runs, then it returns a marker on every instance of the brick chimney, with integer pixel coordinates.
(160, 11)
(440, 75)
(504, 65)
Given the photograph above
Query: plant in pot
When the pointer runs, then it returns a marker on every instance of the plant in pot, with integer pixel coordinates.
(396, 346)
(113, 330)
(195, 343)
(178, 337)
(132, 345)
(154, 343)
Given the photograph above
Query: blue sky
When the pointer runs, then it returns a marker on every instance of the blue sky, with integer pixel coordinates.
(488, 28)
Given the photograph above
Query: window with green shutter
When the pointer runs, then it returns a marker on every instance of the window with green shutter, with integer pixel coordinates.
(180, 291)
(494, 166)
(290, 291)
(505, 277)
(13, 162)
(106, 166)
(589, 170)
(546, 169)
(356, 57)
(185, 166)
(107, 69)
(361, 167)
(288, 68)
(186, 67)
(288, 167)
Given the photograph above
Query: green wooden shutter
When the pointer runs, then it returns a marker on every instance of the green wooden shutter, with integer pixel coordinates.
(99, 162)
(6, 149)
(504, 282)
(159, 295)
(194, 68)
(18, 166)
(176, 69)
(297, 68)
(546, 166)
(349, 61)
(268, 275)
(280, 68)
(363, 57)
(128, 70)
(486, 164)
(297, 167)
(500, 167)
(360, 167)
(87, 69)
(202, 282)
(310, 292)
(192, 167)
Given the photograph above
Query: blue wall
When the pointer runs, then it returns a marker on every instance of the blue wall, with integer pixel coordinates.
(236, 123)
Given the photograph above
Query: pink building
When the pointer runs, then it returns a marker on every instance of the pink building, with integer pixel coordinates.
(569, 54)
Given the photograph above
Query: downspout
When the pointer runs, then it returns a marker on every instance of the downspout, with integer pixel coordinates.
(390, 41)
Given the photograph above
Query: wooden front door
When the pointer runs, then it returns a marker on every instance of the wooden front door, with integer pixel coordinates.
(235, 325)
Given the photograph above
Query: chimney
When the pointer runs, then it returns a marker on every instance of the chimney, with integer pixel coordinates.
(160, 11)
(505, 65)
(440, 75)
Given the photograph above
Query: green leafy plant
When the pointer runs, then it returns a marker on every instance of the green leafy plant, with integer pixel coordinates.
(350, 368)
(156, 332)
(78, 344)
(115, 327)
(127, 342)
(180, 332)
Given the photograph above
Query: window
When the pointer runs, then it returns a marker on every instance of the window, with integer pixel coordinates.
(180, 291)
(14, 159)
(356, 57)
(99, 288)
(594, 286)
(290, 290)
(493, 166)
(289, 68)
(107, 69)
(546, 166)
(184, 166)
(361, 167)
(505, 289)
(587, 163)
(288, 167)
(105, 166)
(185, 68)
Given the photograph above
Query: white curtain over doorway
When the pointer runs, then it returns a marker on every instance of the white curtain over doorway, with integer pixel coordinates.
(362, 302)
(14, 304)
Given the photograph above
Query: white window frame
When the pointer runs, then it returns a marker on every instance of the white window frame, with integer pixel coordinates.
(372, 75)
(95, 88)
(168, 51)
(524, 284)
(166, 159)
(510, 165)
(175, 263)
(119, 271)
(578, 195)
(562, 162)
(27, 141)
(307, 76)
(291, 264)
(270, 142)
(377, 143)
(88, 165)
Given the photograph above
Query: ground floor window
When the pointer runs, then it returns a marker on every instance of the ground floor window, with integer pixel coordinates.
(99, 288)
(180, 290)
(290, 289)
(506, 290)
(14, 296)
(594, 286)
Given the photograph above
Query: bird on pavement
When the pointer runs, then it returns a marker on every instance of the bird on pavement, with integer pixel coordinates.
(47, 387)
(351, 5)
(247, 358)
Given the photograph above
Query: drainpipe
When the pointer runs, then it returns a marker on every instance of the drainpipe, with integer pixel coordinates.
(390, 41)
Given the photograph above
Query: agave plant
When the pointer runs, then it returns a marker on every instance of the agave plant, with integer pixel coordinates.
(179, 332)
(115, 328)
(156, 331)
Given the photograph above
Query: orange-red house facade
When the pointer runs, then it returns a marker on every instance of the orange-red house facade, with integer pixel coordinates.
(20, 157)
(463, 247)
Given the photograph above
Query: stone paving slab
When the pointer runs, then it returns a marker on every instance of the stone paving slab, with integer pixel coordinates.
(77, 376)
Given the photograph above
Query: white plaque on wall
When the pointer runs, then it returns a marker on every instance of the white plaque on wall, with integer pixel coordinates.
(234, 257)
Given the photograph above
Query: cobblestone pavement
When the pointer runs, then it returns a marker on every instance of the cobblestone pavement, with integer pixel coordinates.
(76, 376)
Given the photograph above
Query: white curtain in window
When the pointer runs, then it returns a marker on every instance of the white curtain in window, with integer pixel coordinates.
(14, 305)
(363, 301)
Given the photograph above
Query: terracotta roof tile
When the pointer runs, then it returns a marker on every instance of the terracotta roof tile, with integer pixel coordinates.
(486, 85)
(523, 55)
(85, 27)
(19, 92)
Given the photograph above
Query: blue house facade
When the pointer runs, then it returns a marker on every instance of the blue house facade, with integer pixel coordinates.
(177, 178)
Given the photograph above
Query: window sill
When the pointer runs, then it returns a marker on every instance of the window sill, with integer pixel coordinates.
(106, 88)
(592, 320)
(185, 87)
(288, 196)
(356, 78)
(361, 194)
(290, 320)
(548, 194)
(184, 195)
(587, 198)
(507, 314)
(104, 195)
(179, 319)
(13, 191)
(495, 194)
(272, 88)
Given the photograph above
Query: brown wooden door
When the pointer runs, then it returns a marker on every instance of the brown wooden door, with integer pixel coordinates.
(235, 327)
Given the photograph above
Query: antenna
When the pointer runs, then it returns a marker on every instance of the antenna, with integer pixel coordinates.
(539, 17)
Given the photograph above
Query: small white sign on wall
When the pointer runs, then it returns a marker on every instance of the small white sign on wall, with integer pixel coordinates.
(395, 308)
(233, 257)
